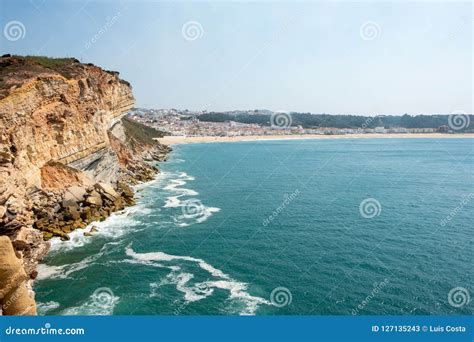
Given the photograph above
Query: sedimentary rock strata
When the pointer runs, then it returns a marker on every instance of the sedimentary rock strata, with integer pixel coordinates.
(67, 154)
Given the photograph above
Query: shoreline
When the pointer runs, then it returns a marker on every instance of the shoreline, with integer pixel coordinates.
(178, 140)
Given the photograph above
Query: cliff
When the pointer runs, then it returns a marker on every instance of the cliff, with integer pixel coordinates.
(67, 154)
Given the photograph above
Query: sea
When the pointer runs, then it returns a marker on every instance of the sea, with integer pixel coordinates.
(289, 227)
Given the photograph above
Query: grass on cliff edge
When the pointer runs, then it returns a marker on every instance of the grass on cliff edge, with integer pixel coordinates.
(141, 133)
(51, 63)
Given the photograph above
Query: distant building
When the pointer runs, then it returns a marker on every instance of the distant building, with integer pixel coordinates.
(380, 130)
(443, 129)
(421, 130)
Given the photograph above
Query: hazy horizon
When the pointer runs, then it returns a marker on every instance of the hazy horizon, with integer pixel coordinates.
(387, 58)
(294, 111)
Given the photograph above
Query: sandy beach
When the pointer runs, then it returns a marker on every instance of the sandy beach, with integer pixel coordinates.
(176, 140)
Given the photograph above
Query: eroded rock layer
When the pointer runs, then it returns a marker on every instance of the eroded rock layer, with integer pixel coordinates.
(67, 154)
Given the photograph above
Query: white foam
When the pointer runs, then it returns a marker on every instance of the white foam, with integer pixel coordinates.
(175, 186)
(203, 215)
(155, 182)
(64, 271)
(175, 161)
(116, 225)
(94, 306)
(48, 271)
(160, 256)
(237, 290)
(174, 183)
(207, 212)
(185, 176)
(173, 202)
(190, 294)
(46, 307)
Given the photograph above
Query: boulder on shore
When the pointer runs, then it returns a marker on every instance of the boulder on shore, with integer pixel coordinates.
(94, 199)
(75, 193)
(107, 191)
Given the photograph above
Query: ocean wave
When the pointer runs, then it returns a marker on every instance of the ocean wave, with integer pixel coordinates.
(175, 186)
(191, 293)
(176, 161)
(115, 226)
(207, 212)
(152, 264)
(43, 308)
(94, 306)
(238, 291)
(172, 202)
(156, 182)
(64, 271)
(200, 212)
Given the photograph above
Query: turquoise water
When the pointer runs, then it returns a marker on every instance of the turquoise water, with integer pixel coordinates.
(225, 225)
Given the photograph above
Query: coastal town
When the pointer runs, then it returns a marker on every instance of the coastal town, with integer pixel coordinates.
(173, 122)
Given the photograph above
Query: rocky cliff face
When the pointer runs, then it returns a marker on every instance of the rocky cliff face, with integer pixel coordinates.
(66, 156)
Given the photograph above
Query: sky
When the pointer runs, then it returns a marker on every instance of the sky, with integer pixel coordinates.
(335, 57)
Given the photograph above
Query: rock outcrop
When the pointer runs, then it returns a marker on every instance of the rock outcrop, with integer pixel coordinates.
(67, 153)
(14, 292)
